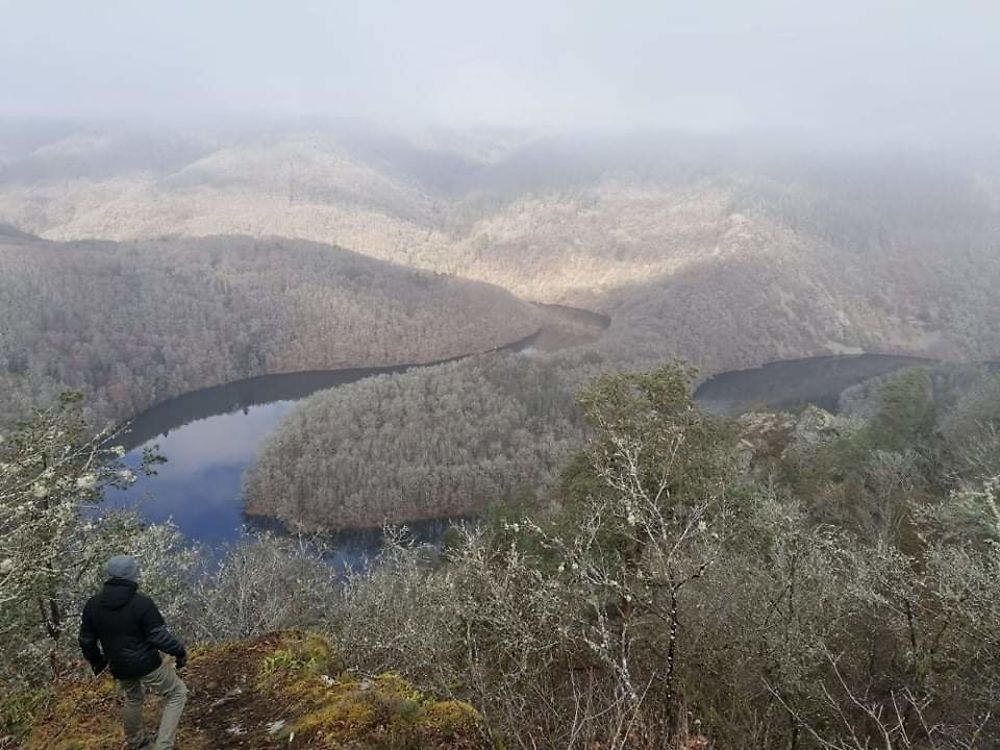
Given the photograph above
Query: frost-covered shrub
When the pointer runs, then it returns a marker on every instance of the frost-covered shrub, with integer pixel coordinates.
(53, 545)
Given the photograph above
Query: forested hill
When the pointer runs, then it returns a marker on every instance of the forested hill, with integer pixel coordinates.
(133, 323)
(440, 442)
(728, 254)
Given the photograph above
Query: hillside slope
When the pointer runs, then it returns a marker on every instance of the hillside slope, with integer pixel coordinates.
(727, 255)
(135, 323)
(115, 185)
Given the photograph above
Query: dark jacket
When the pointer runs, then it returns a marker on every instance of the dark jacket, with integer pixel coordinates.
(129, 629)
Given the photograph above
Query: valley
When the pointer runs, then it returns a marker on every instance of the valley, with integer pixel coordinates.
(499, 376)
(246, 267)
(201, 488)
(802, 254)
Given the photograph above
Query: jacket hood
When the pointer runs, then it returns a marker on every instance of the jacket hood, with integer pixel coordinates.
(117, 593)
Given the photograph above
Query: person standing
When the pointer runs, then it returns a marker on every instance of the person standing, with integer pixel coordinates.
(122, 628)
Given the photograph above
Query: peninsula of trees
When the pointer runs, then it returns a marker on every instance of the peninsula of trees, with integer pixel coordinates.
(439, 442)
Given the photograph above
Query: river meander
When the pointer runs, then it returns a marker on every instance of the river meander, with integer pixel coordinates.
(211, 436)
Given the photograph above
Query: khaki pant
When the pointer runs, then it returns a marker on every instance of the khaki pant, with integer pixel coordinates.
(162, 681)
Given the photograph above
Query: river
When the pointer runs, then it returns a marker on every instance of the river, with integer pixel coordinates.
(791, 384)
(211, 436)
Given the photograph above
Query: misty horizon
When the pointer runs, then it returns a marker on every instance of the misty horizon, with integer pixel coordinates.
(859, 73)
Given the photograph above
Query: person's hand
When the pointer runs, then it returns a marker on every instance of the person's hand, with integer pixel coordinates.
(99, 666)
(181, 661)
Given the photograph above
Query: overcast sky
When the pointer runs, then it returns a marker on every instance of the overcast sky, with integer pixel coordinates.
(878, 68)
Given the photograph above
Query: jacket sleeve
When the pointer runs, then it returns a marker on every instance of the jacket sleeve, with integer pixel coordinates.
(88, 644)
(155, 630)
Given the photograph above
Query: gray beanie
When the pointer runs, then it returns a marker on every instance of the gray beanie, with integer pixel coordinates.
(123, 566)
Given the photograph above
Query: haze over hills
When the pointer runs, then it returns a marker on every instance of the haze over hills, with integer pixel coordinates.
(726, 253)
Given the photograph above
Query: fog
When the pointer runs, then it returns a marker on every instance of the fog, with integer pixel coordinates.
(917, 70)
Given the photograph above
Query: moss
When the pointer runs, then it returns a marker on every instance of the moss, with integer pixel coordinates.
(452, 716)
(385, 712)
(392, 685)
(296, 677)
(19, 710)
(78, 718)
(300, 652)
(84, 715)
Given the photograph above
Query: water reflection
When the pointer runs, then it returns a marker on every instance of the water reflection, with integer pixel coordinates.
(241, 396)
(209, 437)
(200, 486)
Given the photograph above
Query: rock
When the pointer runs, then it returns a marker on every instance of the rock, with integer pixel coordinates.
(815, 426)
